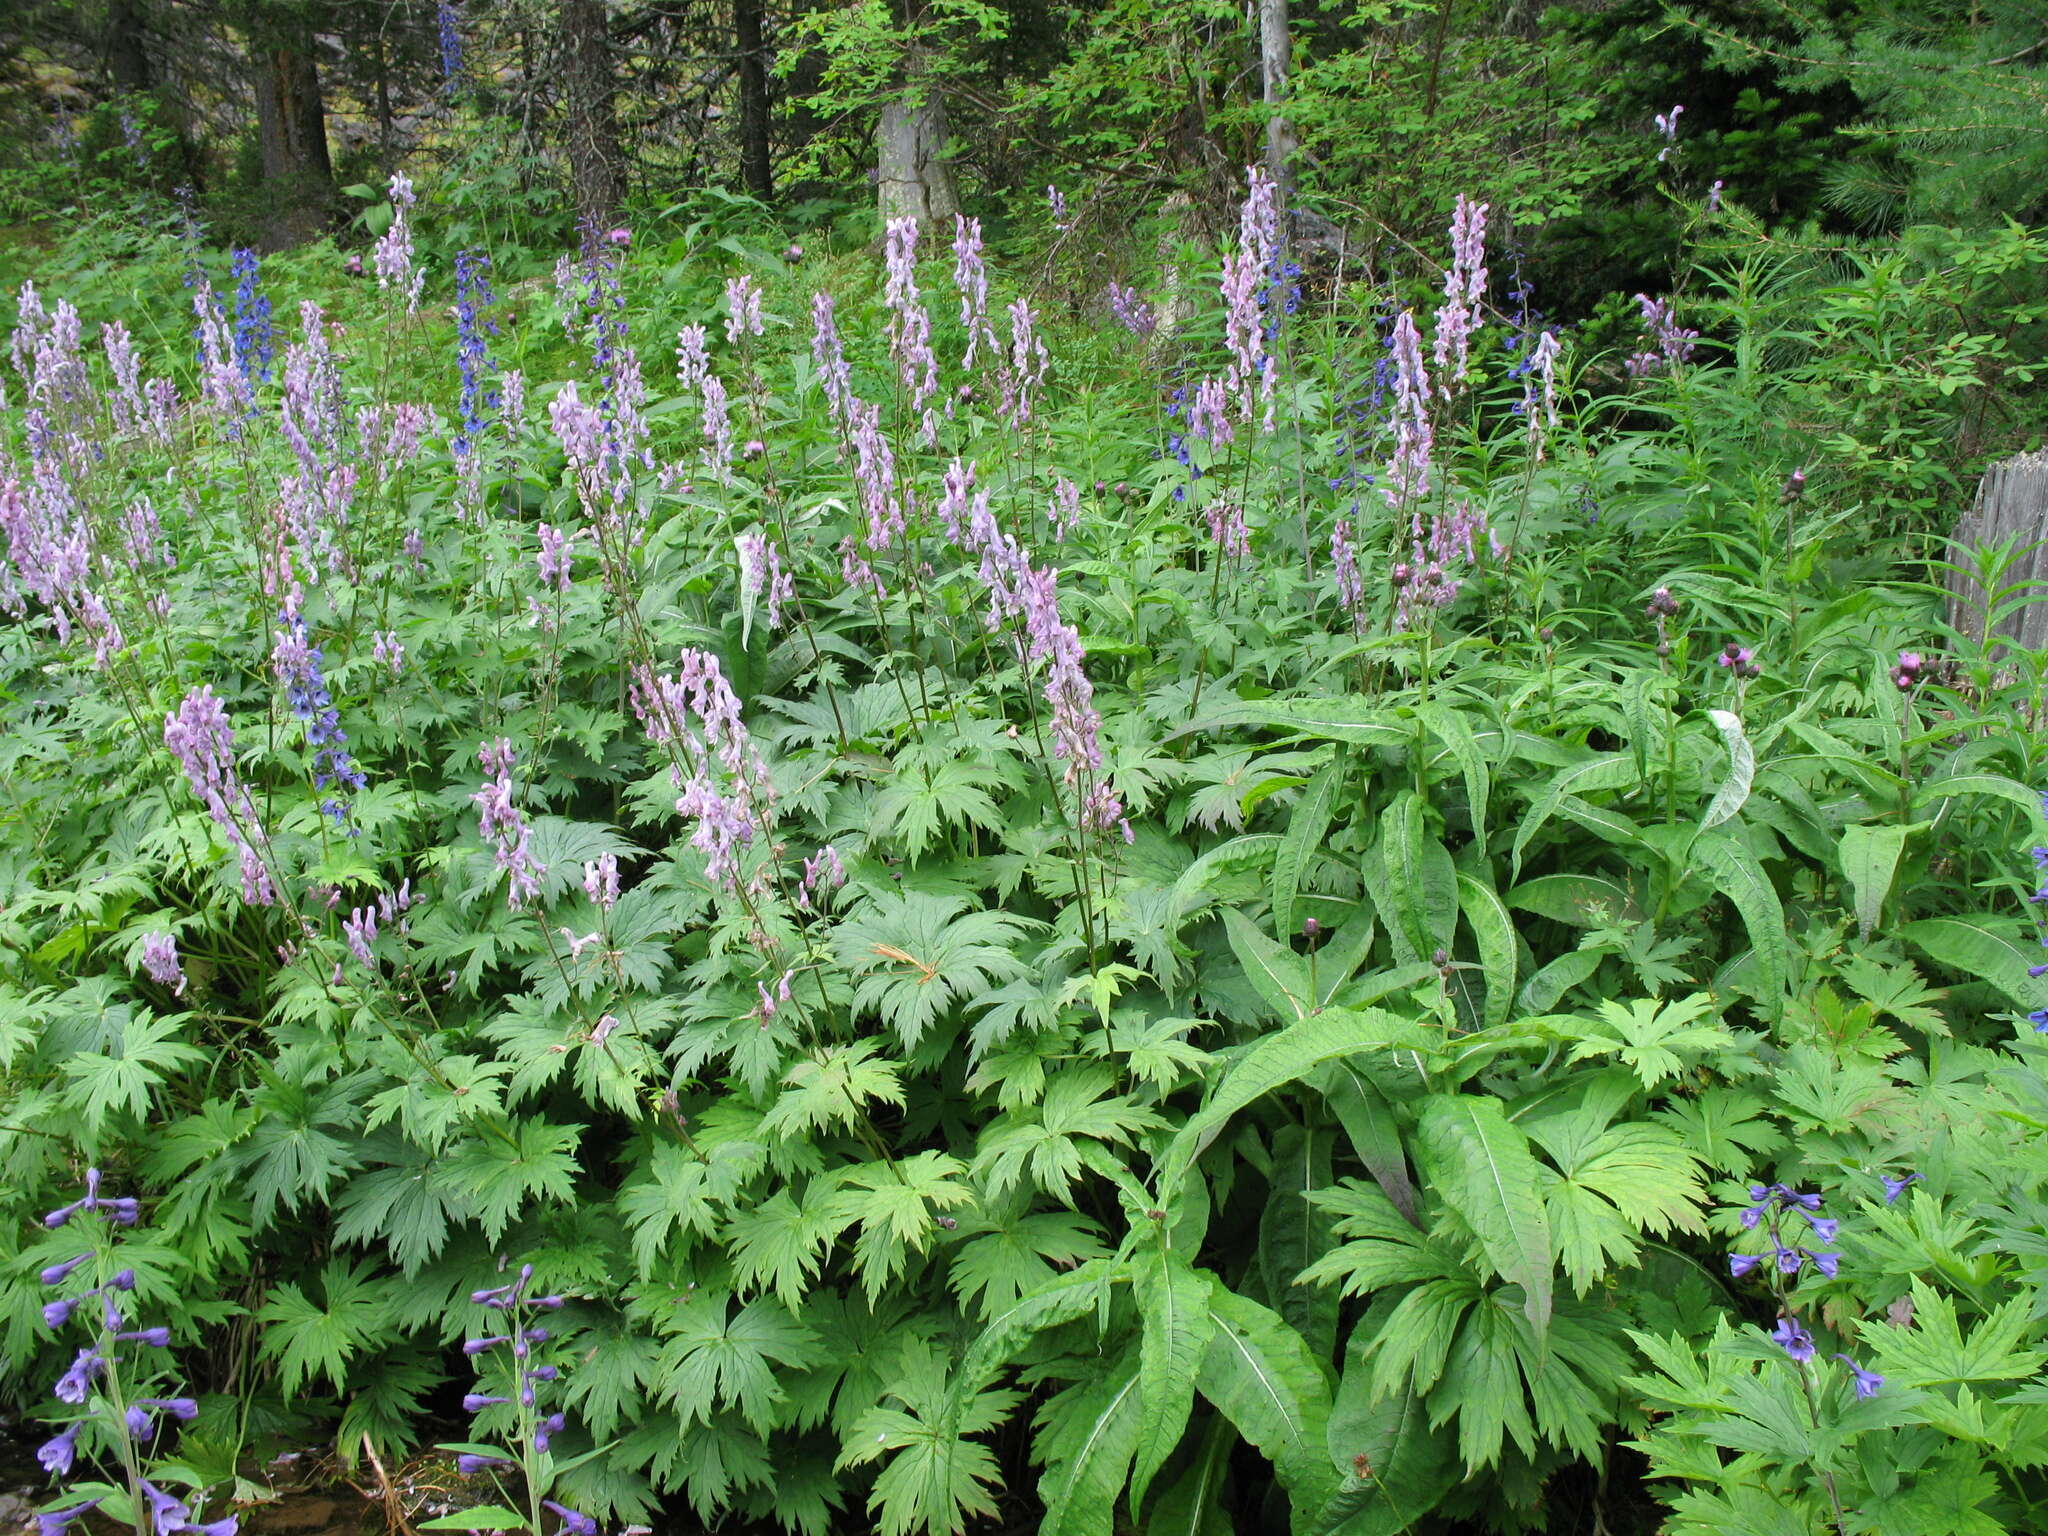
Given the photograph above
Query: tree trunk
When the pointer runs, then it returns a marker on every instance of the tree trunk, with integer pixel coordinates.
(913, 179)
(2011, 508)
(1275, 53)
(127, 60)
(756, 169)
(596, 169)
(291, 128)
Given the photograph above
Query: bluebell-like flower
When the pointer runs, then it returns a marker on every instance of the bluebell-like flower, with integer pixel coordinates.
(1824, 1227)
(1867, 1382)
(183, 1409)
(1893, 1188)
(572, 1522)
(1828, 1263)
(2039, 1019)
(56, 1274)
(1740, 1264)
(469, 1464)
(1789, 1260)
(57, 1313)
(170, 1514)
(478, 1346)
(54, 1522)
(477, 1402)
(1793, 1339)
(139, 1421)
(547, 1429)
(57, 1452)
(225, 1526)
(155, 1338)
(73, 1385)
(2037, 970)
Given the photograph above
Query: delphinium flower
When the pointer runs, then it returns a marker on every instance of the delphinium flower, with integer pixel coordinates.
(47, 545)
(142, 537)
(1227, 528)
(762, 573)
(295, 661)
(1076, 726)
(160, 962)
(910, 325)
(1209, 414)
(693, 356)
(255, 337)
(125, 398)
(1408, 472)
(1065, 514)
(970, 278)
(823, 874)
(1344, 567)
(362, 925)
(1025, 369)
(1250, 376)
(1673, 343)
(601, 881)
(742, 309)
(1130, 310)
(448, 26)
(223, 385)
(1464, 290)
(1788, 1219)
(874, 472)
(1440, 550)
(603, 487)
(1893, 1188)
(527, 1382)
(393, 255)
(199, 736)
(717, 419)
(473, 328)
(103, 1376)
(829, 356)
(1714, 197)
(1667, 129)
(1056, 205)
(728, 792)
(500, 820)
(1541, 391)
(388, 650)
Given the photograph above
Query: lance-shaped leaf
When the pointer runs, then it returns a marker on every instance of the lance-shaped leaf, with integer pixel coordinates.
(1086, 1437)
(1479, 1164)
(1259, 1374)
(1173, 1310)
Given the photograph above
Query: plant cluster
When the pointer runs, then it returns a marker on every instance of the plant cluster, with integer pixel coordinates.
(994, 916)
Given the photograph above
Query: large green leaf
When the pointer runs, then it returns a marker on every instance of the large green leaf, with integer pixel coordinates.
(1399, 1466)
(1420, 896)
(1734, 791)
(1582, 900)
(1176, 1326)
(1259, 1375)
(1192, 1504)
(1300, 842)
(1870, 860)
(1734, 870)
(1995, 785)
(1293, 1234)
(1449, 726)
(1494, 932)
(1478, 1162)
(1276, 973)
(1614, 770)
(1360, 722)
(1086, 1442)
(1276, 1060)
(1985, 946)
(1368, 1120)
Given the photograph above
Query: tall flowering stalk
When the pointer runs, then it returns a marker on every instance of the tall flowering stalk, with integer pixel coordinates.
(910, 327)
(694, 714)
(200, 737)
(1667, 344)
(1247, 272)
(970, 278)
(393, 256)
(527, 1382)
(1459, 319)
(499, 820)
(296, 662)
(1408, 471)
(107, 1381)
(255, 336)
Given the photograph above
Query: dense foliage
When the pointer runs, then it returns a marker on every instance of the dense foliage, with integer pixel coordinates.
(1243, 910)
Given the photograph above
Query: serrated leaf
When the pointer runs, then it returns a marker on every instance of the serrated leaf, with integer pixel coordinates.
(1259, 1374)
(1175, 1328)
(1399, 1465)
(1734, 790)
(1984, 946)
(1420, 895)
(1493, 931)
(1612, 771)
(1276, 973)
(1480, 1165)
(1088, 1436)
(1448, 726)
(1870, 859)
(1278, 1059)
(1293, 1234)
(1301, 841)
(1735, 872)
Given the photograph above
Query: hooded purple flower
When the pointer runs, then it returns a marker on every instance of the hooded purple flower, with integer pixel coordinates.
(56, 1453)
(55, 1521)
(1793, 1339)
(1893, 1188)
(1867, 1382)
(572, 1522)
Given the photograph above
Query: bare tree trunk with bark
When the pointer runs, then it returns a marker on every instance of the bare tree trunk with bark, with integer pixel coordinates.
(596, 168)
(913, 178)
(1276, 51)
(291, 130)
(756, 168)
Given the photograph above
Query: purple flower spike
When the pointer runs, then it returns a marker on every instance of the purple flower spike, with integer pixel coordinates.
(1793, 1339)
(572, 1522)
(54, 1522)
(57, 1273)
(1867, 1382)
(1893, 1188)
(139, 1422)
(57, 1452)
(1740, 1264)
(548, 1428)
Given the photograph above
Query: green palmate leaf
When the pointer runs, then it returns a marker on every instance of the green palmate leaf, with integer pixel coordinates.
(1302, 840)
(1479, 1163)
(1870, 860)
(937, 1479)
(1984, 946)
(915, 954)
(1087, 1436)
(1276, 973)
(1398, 1465)
(712, 1357)
(1259, 1374)
(1176, 1326)
(1734, 790)
(501, 1173)
(1276, 1060)
(1734, 870)
(1493, 931)
(307, 1337)
(1615, 770)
